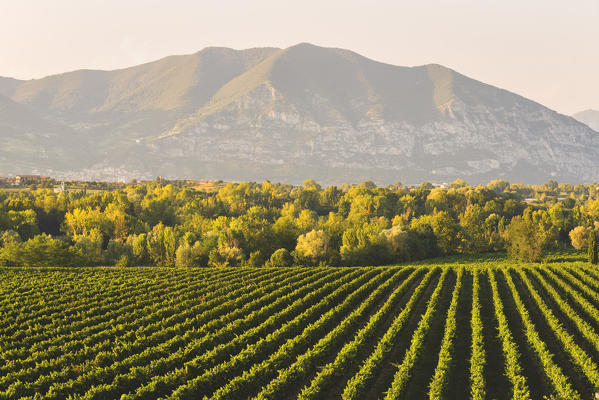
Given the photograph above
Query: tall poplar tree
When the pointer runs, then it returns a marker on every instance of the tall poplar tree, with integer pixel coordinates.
(592, 247)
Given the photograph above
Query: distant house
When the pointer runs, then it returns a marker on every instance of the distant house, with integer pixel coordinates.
(19, 179)
(60, 188)
(6, 181)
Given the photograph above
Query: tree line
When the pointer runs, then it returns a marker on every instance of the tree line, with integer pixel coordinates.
(170, 223)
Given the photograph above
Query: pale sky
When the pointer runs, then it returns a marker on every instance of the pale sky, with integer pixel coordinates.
(546, 50)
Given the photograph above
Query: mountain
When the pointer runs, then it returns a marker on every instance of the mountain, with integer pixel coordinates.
(289, 114)
(31, 143)
(589, 117)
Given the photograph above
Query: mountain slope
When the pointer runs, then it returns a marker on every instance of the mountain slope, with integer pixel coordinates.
(170, 83)
(589, 117)
(331, 85)
(334, 115)
(32, 143)
(305, 111)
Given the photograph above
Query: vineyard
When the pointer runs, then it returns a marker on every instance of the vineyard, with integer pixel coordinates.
(483, 330)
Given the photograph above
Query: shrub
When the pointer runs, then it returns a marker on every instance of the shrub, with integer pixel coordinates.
(281, 258)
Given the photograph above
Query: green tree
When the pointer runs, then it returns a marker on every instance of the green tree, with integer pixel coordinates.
(24, 222)
(399, 240)
(40, 251)
(8, 237)
(81, 221)
(170, 246)
(498, 185)
(329, 197)
(494, 226)
(592, 247)
(183, 256)
(161, 245)
(138, 244)
(193, 256)
(473, 222)
(255, 259)
(226, 255)
(312, 247)
(524, 240)
(200, 250)
(281, 258)
(365, 245)
(447, 231)
(89, 247)
(579, 237)
(119, 253)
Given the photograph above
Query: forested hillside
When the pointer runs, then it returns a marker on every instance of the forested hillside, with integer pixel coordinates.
(254, 224)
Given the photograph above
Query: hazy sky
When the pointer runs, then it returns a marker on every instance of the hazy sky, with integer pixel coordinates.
(547, 50)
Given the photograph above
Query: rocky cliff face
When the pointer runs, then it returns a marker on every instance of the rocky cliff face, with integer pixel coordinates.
(306, 111)
(470, 142)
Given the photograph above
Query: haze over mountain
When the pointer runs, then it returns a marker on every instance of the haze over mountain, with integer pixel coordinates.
(589, 117)
(286, 115)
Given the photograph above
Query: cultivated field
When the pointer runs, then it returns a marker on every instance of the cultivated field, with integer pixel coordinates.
(453, 331)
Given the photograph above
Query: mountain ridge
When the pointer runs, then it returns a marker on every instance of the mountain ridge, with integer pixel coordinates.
(589, 117)
(303, 111)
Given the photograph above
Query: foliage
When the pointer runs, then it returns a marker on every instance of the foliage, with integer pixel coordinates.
(312, 248)
(366, 243)
(40, 251)
(310, 333)
(527, 236)
(579, 237)
(592, 247)
(171, 223)
(281, 258)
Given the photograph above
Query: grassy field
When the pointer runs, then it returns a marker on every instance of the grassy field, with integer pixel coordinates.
(458, 328)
